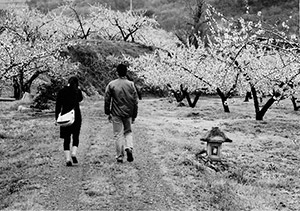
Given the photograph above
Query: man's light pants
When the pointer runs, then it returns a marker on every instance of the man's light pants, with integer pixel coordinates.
(122, 134)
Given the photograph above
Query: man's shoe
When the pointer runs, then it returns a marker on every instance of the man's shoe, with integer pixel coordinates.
(74, 159)
(129, 154)
(120, 160)
(69, 163)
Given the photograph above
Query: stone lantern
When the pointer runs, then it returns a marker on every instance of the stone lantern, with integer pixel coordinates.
(214, 138)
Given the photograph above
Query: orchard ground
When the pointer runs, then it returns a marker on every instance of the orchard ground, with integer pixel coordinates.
(259, 169)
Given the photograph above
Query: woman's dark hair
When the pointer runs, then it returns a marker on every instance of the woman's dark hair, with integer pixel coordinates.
(73, 82)
(122, 70)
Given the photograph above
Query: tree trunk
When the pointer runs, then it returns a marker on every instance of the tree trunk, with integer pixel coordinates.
(262, 112)
(17, 92)
(17, 88)
(294, 101)
(192, 104)
(255, 99)
(224, 100)
(27, 87)
(248, 96)
(20, 86)
(259, 114)
(188, 98)
(179, 96)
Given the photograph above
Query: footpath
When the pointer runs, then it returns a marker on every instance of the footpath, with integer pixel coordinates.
(100, 183)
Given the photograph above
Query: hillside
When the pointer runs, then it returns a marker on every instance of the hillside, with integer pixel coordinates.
(98, 59)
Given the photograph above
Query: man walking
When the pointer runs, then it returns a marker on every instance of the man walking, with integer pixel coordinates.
(121, 106)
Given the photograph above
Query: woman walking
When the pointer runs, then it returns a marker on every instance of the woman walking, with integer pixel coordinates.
(68, 98)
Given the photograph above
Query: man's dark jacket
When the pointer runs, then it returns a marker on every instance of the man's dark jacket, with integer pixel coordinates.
(121, 99)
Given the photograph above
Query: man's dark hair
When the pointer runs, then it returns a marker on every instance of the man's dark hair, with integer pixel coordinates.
(122, 70)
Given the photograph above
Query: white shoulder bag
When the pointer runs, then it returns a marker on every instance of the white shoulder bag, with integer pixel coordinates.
(67, 119)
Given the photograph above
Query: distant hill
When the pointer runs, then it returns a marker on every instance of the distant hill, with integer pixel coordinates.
(5, 3)
(12, 1)
(174, 14)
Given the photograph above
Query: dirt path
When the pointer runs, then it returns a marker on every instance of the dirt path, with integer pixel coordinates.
(100, 183)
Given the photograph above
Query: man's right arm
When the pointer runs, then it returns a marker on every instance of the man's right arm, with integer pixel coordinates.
(107, 100)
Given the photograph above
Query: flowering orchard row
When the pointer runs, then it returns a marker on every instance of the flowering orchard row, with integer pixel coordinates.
(32, 43)
(241, 57)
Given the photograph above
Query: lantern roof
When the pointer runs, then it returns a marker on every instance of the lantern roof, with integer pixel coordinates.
(215, 135)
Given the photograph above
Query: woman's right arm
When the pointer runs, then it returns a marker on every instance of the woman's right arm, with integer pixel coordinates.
(80, 97)
(58, 105)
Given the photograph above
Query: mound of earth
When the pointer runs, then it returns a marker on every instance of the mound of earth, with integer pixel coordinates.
(98, 58)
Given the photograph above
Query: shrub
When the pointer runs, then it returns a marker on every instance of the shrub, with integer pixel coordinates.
(46, 95)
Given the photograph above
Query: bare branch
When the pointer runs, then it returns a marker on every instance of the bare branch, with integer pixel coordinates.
(85, 35)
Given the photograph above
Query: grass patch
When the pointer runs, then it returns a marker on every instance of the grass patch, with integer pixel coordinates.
(25, 145)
